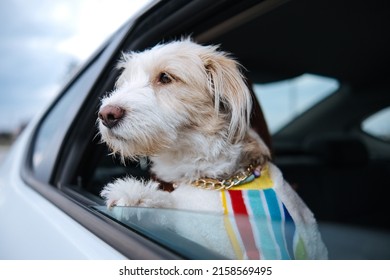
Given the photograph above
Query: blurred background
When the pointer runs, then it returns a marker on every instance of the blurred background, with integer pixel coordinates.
(42, 42)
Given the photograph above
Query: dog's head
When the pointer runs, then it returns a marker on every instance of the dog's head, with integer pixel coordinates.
(170, 92)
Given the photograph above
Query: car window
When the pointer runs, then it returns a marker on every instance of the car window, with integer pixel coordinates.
(53, 128)
(378, 125)
(187, 232)
(163, 226)
(284, 100)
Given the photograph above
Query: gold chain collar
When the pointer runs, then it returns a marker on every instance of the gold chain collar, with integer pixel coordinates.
(249, 174)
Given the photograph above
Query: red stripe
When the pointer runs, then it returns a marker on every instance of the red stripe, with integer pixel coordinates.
(238, 203)
(244, 225)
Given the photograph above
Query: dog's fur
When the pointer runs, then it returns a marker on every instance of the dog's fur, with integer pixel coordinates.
(187, 108)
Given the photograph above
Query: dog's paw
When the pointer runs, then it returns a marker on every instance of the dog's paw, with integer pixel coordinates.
(131, 192)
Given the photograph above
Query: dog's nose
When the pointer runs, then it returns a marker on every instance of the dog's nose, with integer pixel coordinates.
(111, 115)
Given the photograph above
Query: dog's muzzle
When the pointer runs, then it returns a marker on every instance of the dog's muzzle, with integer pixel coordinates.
(111, 115)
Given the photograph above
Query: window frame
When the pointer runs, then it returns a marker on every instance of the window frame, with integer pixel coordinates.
(192, 16)
(127, 242)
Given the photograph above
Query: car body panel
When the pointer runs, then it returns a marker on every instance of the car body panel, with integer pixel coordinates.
(33, 227)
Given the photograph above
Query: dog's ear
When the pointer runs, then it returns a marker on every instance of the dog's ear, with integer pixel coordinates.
(231, 93)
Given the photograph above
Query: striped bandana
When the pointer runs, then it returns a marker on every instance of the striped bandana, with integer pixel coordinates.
(258, 223)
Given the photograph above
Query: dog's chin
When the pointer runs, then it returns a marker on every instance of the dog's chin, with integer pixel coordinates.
(129, 146)
(111, 135)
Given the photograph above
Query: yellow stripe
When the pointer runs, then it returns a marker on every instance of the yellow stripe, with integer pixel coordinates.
(224, 204)
(262, 183)
(229, 228)
(233, 239)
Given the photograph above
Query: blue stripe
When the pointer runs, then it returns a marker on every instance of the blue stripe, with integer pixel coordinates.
(266, 245)
(276, 218)
(289, 231)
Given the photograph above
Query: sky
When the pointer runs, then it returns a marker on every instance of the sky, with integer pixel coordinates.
(41, 41)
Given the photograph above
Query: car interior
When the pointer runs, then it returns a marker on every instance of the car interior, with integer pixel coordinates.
(340, 170)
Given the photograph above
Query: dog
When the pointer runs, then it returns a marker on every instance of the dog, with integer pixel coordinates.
(187, 107)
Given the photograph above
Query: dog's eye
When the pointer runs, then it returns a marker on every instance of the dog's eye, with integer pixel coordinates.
(164, 78)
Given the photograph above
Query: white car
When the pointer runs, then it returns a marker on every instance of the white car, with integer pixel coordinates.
(331, 140)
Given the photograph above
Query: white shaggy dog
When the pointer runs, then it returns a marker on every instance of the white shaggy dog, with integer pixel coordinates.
(187, 108)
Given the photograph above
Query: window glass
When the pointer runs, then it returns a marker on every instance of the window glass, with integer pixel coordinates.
(178, 230)
(203, 235)
(54, 127)
(283, 101)
(378, 124)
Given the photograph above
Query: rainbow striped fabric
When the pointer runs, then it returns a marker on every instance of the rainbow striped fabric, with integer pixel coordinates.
(258, 223)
